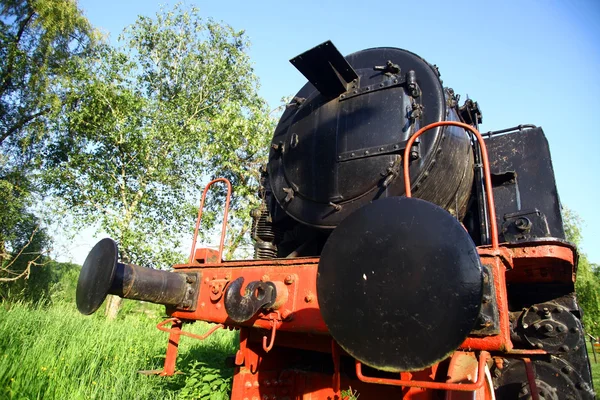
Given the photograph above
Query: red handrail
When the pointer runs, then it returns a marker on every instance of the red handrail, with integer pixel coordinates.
(224, 226)
(463, 387)
(486, 170)
(161, 327)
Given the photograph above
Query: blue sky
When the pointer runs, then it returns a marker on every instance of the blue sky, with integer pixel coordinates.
(524, 62)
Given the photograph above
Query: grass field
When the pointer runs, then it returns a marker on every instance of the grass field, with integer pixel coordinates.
(56, 353)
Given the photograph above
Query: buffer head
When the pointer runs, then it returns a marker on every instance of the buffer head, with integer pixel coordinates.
(97, 276)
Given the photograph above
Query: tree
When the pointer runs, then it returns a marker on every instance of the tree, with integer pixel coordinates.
(38, 39)
(587, 285)
(147, 123)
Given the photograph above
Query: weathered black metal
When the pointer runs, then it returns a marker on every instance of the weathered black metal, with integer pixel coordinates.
(257, 295)
(392, 277)
(312, 165)
(521, 171)
(101, 275)
(326, 69)
(556, 379)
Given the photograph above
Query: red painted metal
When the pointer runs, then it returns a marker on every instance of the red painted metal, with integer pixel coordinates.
(265, 363)
(299, 312)
(204, 255)
(531, 378)
(224, 225)
(463, 368)
(486, 170)
(176, 327)
(172, 348)
(335, 355)
(502, 341)
(274, 323)
(466, 387)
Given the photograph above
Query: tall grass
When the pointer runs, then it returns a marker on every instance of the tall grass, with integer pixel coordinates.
(56, 353)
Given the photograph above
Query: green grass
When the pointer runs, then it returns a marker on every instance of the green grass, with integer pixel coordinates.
(56, 353)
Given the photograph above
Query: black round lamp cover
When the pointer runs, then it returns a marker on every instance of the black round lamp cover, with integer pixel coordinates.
(399, 284)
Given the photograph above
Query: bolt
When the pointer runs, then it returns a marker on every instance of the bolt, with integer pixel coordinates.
(539, 345)
(206, 280)
(561, 328)
(289, 280)
(308, 298)
(264, 278)
(351, 154)
(548, 328)
(366, 152)
(203, 304)
(414, 155)
(566, 370)
(286, 315)
(218, 306)
(190, 279)
(523, 390)
(255, 384)
(546, 312)
(248, 384)
(564, 347)
(342, 96)
(534, 309)
(381, 85)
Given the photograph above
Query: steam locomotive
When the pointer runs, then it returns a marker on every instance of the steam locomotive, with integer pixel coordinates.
(399, 253)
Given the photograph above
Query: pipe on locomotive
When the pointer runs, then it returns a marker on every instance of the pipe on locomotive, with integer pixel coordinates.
(102, 275)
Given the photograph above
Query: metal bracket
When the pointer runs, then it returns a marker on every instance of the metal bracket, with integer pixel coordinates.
(372, 151)
(488, 322)
(385, 84)
(525, 225)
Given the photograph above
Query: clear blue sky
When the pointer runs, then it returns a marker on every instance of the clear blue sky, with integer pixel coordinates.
(524, 62)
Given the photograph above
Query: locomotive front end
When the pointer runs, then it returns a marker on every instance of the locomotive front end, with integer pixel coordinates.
(379, 263)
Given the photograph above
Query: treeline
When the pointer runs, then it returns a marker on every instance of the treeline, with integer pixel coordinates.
(121, 137)
(587, 285)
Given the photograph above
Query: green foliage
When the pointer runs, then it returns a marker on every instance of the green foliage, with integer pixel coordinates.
(587, 285)
(146, 123)
(38, 41)
(56, 353)
(350, 394)
(49, 281)
(206, 383)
